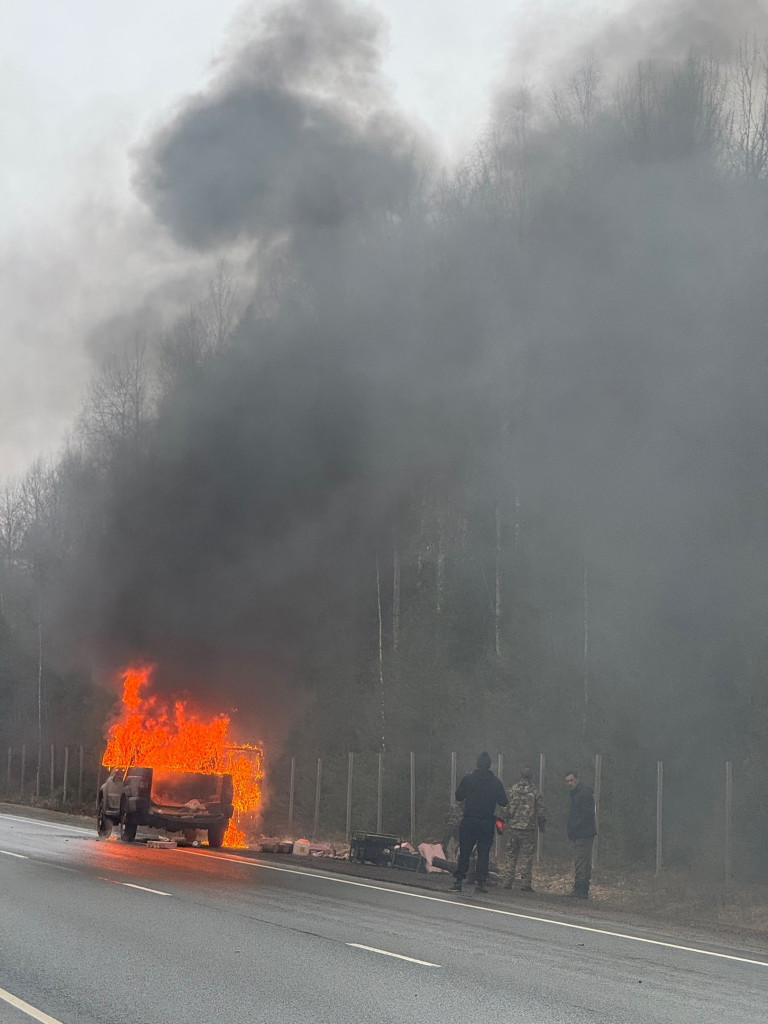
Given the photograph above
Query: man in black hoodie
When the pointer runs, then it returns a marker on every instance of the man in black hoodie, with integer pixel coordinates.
(582, 829)
(480, 791)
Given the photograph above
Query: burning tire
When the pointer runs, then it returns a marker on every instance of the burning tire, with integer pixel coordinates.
(127, 831)
(103, 823)
(216, 836)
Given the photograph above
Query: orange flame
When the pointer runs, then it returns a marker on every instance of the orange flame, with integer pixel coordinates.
(152, 734)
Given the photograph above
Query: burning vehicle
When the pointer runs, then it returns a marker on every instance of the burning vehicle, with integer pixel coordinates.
(170, 800)
(172, 769)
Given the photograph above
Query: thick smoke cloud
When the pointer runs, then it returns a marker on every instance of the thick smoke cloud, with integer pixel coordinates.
(298, 133)
(573, 333)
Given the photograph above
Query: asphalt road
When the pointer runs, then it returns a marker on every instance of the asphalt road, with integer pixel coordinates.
(102, 932)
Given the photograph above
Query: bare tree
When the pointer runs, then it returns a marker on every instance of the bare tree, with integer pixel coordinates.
(674, 113)
(12, 523)
(118, 402)
(749, 82)
(579, 102)
(202, 332)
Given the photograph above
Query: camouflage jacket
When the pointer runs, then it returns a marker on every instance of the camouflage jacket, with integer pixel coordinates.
(525, 808)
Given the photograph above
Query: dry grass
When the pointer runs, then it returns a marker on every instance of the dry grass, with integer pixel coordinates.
(679, 897)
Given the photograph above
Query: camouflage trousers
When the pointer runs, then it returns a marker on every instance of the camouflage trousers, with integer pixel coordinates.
(521, 846)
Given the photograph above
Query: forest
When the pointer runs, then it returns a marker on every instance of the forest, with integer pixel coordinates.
(433, 460)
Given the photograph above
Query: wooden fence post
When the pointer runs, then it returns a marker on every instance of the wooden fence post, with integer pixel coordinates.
(317, 797)
(539, 836)
(413, 798)
(66, 772)
(290, 796)
(350, 768)
(380, 793)
(728, 827)
(497, 838)
(659, 815)
(598, 782)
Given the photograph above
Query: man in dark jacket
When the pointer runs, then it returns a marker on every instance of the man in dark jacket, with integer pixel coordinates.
(480, 791)
(582, 830)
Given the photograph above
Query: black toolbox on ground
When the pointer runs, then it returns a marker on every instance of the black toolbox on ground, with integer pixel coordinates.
(409, 861)
(373, 848)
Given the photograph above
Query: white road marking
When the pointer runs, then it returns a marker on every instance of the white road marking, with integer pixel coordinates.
(433, 899)
(132, 885)
(49, 824)
(495, 910)
(21, 856)
(143, 888)
(398, 956)
(27, 1008)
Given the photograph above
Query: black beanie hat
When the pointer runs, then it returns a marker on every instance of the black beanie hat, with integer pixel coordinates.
(484, 760)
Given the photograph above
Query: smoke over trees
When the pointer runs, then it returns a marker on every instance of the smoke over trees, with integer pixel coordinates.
(450, 460)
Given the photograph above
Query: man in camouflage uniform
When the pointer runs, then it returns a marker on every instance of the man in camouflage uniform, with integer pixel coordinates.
(525, 813)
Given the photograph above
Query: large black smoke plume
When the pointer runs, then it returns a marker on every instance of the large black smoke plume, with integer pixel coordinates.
(297, 133)
(483, 459)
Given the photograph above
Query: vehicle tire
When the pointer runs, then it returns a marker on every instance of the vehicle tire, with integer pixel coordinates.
(103, 823)
(127, 831)
(216, 836)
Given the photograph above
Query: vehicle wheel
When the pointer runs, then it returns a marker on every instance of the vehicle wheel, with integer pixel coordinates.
(103, 823)
(216, 836)
(127, 832)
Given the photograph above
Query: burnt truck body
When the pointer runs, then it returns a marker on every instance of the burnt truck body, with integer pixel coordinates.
(170, 800)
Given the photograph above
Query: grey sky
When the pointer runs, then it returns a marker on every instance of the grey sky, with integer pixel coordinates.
(80, 84)
(83, 84)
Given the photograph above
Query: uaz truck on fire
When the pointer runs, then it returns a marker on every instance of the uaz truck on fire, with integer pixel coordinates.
(170, 800)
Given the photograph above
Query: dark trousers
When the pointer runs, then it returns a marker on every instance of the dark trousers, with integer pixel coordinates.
(582, 860)
(480, 832)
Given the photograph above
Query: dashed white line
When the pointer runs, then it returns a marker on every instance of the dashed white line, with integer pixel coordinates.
(50, 824)
(132, 885)
(31, 1011)
(398, 956)
(157, 892)
(21, 856)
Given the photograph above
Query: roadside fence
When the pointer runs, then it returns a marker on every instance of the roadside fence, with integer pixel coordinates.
(63, 777)
(649, 816)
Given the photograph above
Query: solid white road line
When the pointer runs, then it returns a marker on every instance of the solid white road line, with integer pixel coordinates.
(21, 856)
(398, 956)
(27, 1008)
(496, 910)
(50, 824)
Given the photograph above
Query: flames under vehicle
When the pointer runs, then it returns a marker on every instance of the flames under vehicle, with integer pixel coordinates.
(175, 801)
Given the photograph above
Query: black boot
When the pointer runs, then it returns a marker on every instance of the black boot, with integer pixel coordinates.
(456, 887)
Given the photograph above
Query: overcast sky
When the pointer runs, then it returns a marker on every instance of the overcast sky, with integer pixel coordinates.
(83, 82)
